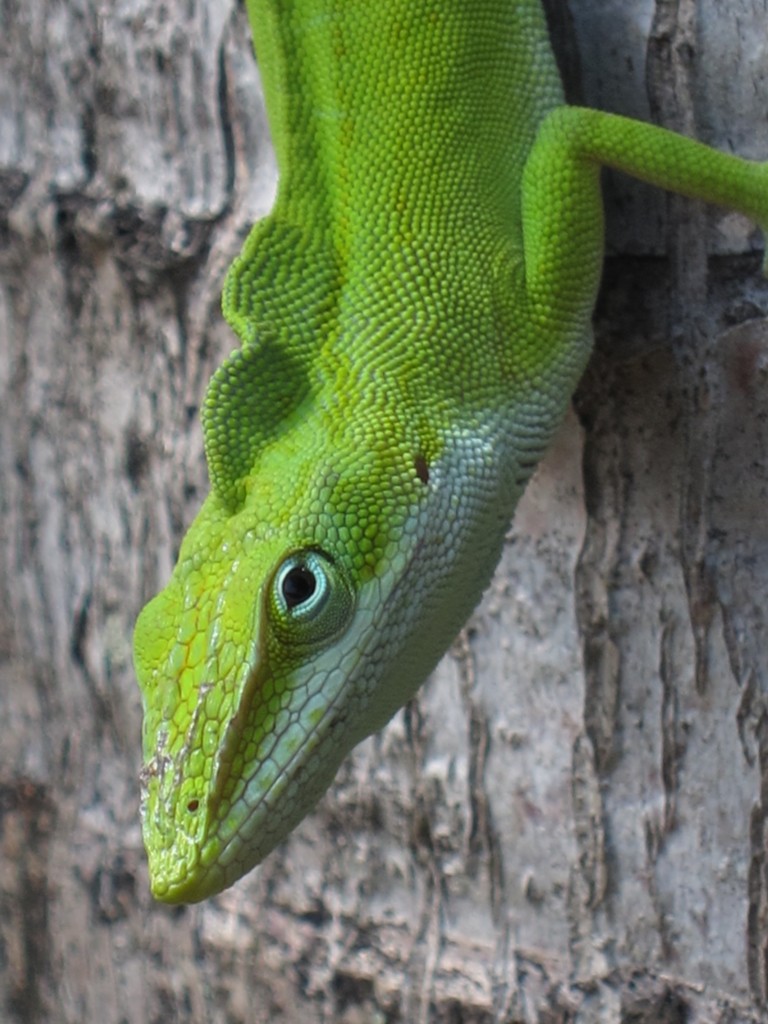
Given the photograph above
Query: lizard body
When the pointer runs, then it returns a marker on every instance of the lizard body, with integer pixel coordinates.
(414, 315)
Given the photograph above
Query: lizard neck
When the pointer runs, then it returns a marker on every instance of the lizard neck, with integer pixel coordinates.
(396, 120)
(401, 131)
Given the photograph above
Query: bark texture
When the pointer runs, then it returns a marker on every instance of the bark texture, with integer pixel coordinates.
(569, 822)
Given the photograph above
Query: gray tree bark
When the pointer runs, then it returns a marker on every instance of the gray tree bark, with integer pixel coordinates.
(568, 824)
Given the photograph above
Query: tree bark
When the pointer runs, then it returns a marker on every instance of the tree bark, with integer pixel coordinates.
(568, 823)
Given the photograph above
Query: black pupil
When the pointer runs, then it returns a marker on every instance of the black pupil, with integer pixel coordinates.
(298, 586)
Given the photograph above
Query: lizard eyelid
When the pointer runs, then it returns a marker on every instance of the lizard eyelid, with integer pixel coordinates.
(311, 598)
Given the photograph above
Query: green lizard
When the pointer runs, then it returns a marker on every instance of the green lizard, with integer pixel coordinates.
(414, 316)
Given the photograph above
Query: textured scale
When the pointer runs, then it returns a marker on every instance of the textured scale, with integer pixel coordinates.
(414, 315)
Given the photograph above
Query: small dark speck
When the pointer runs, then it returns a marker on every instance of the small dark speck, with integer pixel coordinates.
(79, 631)
(422, 469)
(193, 805)
(136, 457)
(318, 915)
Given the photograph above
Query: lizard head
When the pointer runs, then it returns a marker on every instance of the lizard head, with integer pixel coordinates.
(308, 602)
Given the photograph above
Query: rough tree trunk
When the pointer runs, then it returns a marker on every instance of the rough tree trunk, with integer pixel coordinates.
(569, 822)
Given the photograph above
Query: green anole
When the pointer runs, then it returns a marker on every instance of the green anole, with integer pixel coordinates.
(414, 315)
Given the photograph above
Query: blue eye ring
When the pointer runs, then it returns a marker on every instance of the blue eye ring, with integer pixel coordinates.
(311, 598)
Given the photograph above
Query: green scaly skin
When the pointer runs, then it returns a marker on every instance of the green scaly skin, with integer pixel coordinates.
(414, 316)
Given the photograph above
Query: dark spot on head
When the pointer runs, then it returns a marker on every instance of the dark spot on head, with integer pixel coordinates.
(193, 805)
(422, 469)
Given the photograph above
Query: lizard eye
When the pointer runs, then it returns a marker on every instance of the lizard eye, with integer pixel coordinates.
(297, 585)
(311, 598)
